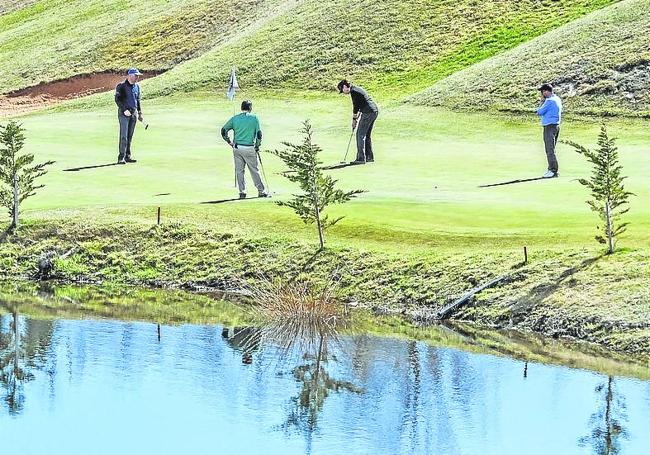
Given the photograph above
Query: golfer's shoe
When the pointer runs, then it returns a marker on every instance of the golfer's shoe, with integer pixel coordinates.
(121, 162)
(263, 194)
(131, 160)
(370, 160)
(550, 174)
(242, 195)
(357, 162)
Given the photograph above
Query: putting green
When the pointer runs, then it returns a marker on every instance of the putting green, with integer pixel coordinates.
(423, 190)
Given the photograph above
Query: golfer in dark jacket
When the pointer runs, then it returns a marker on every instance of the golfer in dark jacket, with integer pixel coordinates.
(362, 106)
(127, 98)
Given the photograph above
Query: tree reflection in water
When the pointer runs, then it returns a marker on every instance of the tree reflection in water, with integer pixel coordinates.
(316, 385)
(298, 322)
(607, 422)
(21, 344)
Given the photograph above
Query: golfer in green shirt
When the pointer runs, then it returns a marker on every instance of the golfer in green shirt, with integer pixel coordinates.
(245, 145)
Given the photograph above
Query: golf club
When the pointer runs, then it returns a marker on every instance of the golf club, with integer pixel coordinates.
(234, 146)
(146, 125)
(268, 188)
(345, 159)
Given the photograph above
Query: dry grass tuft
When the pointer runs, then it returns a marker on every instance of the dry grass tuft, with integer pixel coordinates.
(296, 315)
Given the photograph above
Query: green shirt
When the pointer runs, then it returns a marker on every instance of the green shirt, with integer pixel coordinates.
(246, 127)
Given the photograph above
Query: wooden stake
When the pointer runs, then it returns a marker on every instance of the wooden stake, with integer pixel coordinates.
(158, 216)
(525, 255)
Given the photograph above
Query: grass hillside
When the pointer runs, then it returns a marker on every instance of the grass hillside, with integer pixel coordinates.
(55, 39)
(600, 64)
(397, 47)
(11, 5)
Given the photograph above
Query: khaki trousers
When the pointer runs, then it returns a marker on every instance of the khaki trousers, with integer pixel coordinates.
(247, 156)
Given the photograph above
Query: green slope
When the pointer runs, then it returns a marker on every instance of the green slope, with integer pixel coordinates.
(394, 46)
(397, 46)
(600, 64)
(12, 5)
(55, 39)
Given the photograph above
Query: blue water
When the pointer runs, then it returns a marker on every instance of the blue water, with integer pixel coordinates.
(105, 387)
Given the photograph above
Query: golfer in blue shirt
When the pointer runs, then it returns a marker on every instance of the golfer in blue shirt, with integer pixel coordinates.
(551, 114)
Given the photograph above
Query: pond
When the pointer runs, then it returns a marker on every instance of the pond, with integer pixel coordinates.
(102, 386)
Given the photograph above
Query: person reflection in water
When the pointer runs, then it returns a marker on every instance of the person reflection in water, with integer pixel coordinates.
(243, 339)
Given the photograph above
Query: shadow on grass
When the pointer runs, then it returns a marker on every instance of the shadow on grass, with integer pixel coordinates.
(96, 166)
(235, 199)
(539, 293)
(329, 167)
(308, 263)
(512, 182)
(5, 234)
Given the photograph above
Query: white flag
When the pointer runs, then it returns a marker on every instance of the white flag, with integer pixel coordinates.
(233, 86)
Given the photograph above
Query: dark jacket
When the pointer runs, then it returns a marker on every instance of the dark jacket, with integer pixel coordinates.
(126, 99)
(361, 101)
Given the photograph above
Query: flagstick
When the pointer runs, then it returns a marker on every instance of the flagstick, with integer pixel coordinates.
(233, 141)
(232, 89)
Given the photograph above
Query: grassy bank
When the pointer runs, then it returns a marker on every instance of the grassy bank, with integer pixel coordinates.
(285, 44)
(392, 47)
(599, 64)
(54, 39)
(560, 294)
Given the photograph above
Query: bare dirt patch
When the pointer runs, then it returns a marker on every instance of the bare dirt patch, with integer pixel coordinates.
(49, 93)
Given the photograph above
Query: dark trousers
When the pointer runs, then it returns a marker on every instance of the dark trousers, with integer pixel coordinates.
(551, 134)
(127, 127)
(364, 139)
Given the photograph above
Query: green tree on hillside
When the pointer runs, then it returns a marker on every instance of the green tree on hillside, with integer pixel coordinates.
(17, 171)
(318, 190)
(610, 199)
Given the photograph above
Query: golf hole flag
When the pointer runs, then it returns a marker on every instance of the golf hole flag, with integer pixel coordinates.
(233, 86)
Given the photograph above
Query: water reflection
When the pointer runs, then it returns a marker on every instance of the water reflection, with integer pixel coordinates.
(241, 389)
(300, 326)
(23, 343)
(243, 339)
(608, 431)
(316, 384)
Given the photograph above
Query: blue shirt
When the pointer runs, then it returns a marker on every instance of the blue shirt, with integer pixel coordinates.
(136, 94)
(551, 111)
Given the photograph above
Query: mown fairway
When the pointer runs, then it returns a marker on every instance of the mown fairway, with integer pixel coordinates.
(423, 190)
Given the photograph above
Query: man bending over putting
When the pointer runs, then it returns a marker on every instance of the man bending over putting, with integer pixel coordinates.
(129, 111)
(551, 114)
(362, 106)
(245, 145)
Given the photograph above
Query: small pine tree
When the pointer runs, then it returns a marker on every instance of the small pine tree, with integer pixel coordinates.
(318, 190)
(610, 199)
(17, 174)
